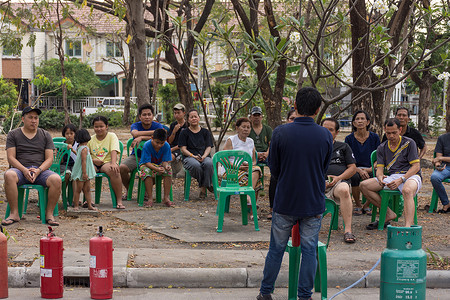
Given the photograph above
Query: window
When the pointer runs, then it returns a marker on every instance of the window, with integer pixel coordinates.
(73, 48)
(113, 49)
(8, 51)
(150, 49)
(13, 48)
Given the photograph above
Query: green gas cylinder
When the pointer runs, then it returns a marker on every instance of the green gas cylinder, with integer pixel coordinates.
(403, 265)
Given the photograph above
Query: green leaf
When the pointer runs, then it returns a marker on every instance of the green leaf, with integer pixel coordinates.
(224, 73)
(293, 69)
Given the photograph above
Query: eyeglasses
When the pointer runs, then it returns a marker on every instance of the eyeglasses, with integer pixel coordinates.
(256, 115)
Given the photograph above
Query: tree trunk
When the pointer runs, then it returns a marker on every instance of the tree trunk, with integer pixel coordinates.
(60, 50)
(360, 57)
(129, 75)
(138, 42)
(425, 84)
(447, 103)
(424, 105)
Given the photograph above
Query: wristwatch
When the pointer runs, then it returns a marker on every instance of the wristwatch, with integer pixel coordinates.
(403, 179)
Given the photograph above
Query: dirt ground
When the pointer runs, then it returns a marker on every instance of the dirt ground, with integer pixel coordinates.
(78, 230)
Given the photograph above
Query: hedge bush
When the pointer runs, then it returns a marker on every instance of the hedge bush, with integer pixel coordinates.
(53, 119)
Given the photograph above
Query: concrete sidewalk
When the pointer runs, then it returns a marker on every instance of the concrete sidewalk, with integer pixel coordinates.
(211, 294)
(192, 268)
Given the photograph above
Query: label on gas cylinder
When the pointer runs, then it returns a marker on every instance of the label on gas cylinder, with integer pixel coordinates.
(101, 273)
(407, 269)
(42, 261)
(93, 262)
(46, 272)
(406, 293)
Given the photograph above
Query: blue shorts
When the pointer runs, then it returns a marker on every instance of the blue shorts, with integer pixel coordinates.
(40, 180)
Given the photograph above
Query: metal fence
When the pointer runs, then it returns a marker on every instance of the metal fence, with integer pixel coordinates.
(75, 105)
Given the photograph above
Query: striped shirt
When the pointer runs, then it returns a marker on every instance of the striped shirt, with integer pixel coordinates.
(397, 160)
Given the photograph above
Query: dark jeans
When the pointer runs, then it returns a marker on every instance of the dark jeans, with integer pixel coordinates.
(279, 235)
(272, 189)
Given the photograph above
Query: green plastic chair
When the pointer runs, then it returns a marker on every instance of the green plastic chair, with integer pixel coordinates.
(434, 195)
(187, 186)
(231, 186)
(133, 173)
(141, 184)
(294, 251)
(23, 190)
(389, 198)
(98, 182)
(59, 139)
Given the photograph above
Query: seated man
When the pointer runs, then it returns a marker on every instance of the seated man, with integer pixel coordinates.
(398, 155)
(442, 164)
(29, 150)
(342, 168)
(141, 131)
(174, 133)
(403, 115)
(260, 133)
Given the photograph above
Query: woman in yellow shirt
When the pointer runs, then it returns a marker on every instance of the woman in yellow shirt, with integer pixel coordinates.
(105, 151)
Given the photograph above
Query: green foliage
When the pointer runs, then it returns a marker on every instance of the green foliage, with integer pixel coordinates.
(436, 124)
(412, 124)
(7, 122)
(169, 97)
(8, 236)
(53, 119)
(80, 78)
(218, 91)
(436, 259)
(8, 97)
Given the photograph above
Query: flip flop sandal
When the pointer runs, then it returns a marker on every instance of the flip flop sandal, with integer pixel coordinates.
(85, 205)
(367, 211)
(10, 222)
(374, 225)
(51, 222)
(120, 206)
(168, 204)
(349, 238)
(358, 211)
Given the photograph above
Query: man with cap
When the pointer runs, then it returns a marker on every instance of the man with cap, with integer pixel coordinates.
(29, 150)
(140, 131)
(260, 133)
(179, 112)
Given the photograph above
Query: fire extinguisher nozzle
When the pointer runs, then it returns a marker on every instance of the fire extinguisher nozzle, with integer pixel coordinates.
(100, 231)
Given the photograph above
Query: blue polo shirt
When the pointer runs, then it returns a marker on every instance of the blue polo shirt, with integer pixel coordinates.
(138, 126)
(299, 156)
(363, 151)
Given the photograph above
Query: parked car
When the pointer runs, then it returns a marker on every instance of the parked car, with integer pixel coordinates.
(107, 104)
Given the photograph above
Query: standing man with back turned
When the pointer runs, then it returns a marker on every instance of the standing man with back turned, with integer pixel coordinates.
(299, 156)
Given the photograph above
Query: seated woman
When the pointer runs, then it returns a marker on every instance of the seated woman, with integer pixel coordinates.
(195, 144)
(363, 142)
(241, 141)
(105, 151)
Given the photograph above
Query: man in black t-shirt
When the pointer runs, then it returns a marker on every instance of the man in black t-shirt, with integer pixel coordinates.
(174, 133)
(342, 168)
(403, 115)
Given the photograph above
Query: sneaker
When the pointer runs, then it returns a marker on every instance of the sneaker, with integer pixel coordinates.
(264, 297)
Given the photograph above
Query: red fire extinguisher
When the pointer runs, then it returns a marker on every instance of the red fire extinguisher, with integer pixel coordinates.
(101, 266)
(3, 265)
(52, 279)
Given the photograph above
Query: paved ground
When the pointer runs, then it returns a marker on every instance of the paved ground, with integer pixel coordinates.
(212, 294)
(184, 238)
